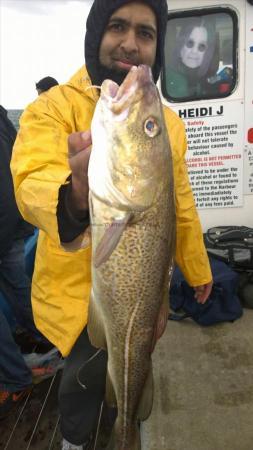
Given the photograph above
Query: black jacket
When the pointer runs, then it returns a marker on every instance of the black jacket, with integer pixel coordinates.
(12, 225)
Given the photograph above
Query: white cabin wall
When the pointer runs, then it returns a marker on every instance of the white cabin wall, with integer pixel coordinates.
(241, 215)
(228, 216)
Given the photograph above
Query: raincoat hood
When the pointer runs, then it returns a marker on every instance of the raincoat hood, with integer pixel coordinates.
(97, 20)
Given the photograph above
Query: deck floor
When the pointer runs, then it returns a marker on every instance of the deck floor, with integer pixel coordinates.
(34, 423)
(203, 394)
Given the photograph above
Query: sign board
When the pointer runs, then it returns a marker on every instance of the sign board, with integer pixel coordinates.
(215, 152)
(248, 150)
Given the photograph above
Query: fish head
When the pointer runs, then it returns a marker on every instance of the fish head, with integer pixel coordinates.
(130, 139)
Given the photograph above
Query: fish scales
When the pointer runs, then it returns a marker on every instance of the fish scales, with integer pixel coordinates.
(133, 237)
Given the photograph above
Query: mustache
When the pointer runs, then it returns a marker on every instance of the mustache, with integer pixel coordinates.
(129, 58)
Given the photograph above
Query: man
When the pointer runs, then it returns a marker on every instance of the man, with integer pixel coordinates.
(52, 191)
(15, 285)
(45, 83)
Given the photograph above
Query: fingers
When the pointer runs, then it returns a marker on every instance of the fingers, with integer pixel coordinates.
(202, 292)
(78, 141)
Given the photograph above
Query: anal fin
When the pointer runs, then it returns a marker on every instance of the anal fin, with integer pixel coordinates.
(110, 393)
(95, 326)
(146, 401)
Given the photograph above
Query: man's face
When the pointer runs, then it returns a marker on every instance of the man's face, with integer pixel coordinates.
(130, 38)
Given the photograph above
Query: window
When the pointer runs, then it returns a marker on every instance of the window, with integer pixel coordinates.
(200, 55)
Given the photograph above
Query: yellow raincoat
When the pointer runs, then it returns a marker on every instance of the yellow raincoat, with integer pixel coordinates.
(61, 281)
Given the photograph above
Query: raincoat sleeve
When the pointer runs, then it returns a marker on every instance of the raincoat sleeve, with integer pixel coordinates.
(40, 161)
(191, 255)
(71, 222)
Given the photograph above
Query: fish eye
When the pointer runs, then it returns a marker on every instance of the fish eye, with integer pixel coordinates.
(151, 127)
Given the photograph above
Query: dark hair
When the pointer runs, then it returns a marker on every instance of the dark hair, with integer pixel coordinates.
(46, 83)
(210, 61)
(97, 20)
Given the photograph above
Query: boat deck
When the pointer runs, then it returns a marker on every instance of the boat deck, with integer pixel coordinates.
(203, 394)
(34, 423)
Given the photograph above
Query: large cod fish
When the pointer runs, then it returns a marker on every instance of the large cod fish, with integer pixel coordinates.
(133, 238)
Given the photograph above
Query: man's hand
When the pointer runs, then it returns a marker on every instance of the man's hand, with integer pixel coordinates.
(202, 292)
(79, 148)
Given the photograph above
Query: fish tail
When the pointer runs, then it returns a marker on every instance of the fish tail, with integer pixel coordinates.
(132, 442)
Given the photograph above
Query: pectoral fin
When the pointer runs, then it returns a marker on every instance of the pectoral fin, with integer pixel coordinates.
(110, 240)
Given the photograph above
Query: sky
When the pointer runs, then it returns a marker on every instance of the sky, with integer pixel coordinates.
(38, 38)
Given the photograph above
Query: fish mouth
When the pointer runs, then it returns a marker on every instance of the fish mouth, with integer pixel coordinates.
(137, 81)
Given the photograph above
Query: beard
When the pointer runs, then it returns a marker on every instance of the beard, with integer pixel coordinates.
(116, 75)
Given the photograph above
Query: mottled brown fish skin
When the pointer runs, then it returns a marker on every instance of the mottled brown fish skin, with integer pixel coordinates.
(129, 288)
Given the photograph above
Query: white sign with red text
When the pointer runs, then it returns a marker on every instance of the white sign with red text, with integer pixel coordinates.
(215, 153)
